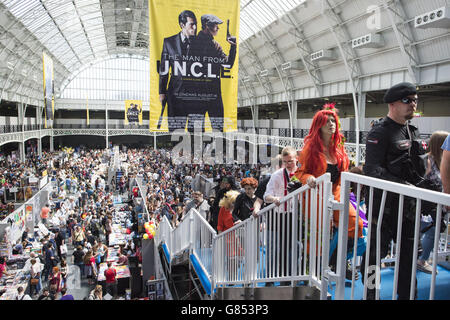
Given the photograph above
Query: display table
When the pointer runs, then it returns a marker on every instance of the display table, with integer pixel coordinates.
(10, 283)
(123, 276)
(118, 236)
(113, 254)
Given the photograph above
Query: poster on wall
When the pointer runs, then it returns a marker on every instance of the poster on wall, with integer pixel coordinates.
(193, 64)
(29, 212)
(49, 99)
(133, 111)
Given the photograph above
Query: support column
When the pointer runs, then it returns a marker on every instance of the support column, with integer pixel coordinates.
(362, 111)
(294, 113)
(154, 140)
(22, 151)
(52, 146)
(21, 125)
(39, 145)
(292, 106)
(106, 126)
(255, 114)
(37, 122)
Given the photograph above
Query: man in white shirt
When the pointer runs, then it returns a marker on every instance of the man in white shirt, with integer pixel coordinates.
(275, 191)
(200, 204)
(21, 294)
(277, 186)
(37, 265)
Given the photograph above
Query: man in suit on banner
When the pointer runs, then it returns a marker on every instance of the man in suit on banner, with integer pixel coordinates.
(175, 51)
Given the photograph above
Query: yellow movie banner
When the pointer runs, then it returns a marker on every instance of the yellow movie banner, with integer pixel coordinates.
(194, 50)
(133, 111)
(49, 98)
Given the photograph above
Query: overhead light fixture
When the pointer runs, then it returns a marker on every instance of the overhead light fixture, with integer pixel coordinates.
(292, 65)
(269, 73)
(371, 40)
(324, 54)
(438, 18)
(128, 9)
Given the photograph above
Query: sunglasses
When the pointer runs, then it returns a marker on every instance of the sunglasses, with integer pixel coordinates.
(409, 100)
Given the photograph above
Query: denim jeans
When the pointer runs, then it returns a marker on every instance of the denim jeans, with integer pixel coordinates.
(427, 241)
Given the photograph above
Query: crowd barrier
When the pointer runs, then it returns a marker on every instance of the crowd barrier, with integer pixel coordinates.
(405, 194)
(291, 242)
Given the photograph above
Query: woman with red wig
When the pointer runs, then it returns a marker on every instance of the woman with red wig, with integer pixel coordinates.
(323, 152)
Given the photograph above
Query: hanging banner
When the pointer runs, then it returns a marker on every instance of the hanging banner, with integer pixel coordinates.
(49, 100)
(193, 64)
(133, 111)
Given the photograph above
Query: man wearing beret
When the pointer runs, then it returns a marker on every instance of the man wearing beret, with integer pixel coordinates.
(213, 60)
(393, 151)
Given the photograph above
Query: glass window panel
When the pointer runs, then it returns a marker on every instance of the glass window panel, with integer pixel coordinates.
(112, 79)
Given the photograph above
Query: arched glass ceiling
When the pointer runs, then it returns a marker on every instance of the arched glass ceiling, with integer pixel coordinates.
(122, 78)
(80, 31)
(72, 31)
(258, 14)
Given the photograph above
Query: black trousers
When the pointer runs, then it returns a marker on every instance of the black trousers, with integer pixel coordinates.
(183, 113)
(388, 233)
(215, 113)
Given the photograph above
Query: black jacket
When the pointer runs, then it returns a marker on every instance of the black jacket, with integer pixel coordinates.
(393, 154)
(243, 207)
(172, 53)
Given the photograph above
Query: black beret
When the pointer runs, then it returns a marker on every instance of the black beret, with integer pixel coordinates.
(399, 91)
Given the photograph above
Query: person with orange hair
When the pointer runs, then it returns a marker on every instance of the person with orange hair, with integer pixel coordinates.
(243, 207)
(324, 152)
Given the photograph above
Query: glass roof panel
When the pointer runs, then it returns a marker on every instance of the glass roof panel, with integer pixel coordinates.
(65, 28)
(74, 31)
(258, 14)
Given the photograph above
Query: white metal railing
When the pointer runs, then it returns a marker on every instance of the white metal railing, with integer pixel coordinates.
(202, 243)
(285, 243)
(164, 235)
(249, 252)
(291, 242)
(405, 195)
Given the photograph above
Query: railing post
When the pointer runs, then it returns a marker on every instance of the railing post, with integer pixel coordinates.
(328, 213)
(342, 240)
(191, 232)
(213, 267)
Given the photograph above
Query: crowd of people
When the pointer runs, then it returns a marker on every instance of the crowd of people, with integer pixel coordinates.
(170, 190)
(15, 175)
(82, 192)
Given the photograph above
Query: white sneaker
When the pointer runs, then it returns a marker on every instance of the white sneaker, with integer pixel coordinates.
(424, 266)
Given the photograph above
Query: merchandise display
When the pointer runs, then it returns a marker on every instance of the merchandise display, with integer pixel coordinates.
(16, 278)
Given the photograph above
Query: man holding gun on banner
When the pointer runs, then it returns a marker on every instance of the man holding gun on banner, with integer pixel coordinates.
(214, 61)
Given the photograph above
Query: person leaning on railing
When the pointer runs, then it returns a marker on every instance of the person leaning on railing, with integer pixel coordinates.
(432, 173)
(226, 205)
(243, 206)
(324, 152)
(445, 166)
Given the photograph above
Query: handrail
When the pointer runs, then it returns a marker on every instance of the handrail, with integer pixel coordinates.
(252, 252)
(404, 192)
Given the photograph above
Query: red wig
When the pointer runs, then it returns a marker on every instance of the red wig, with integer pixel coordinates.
(314, 146)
